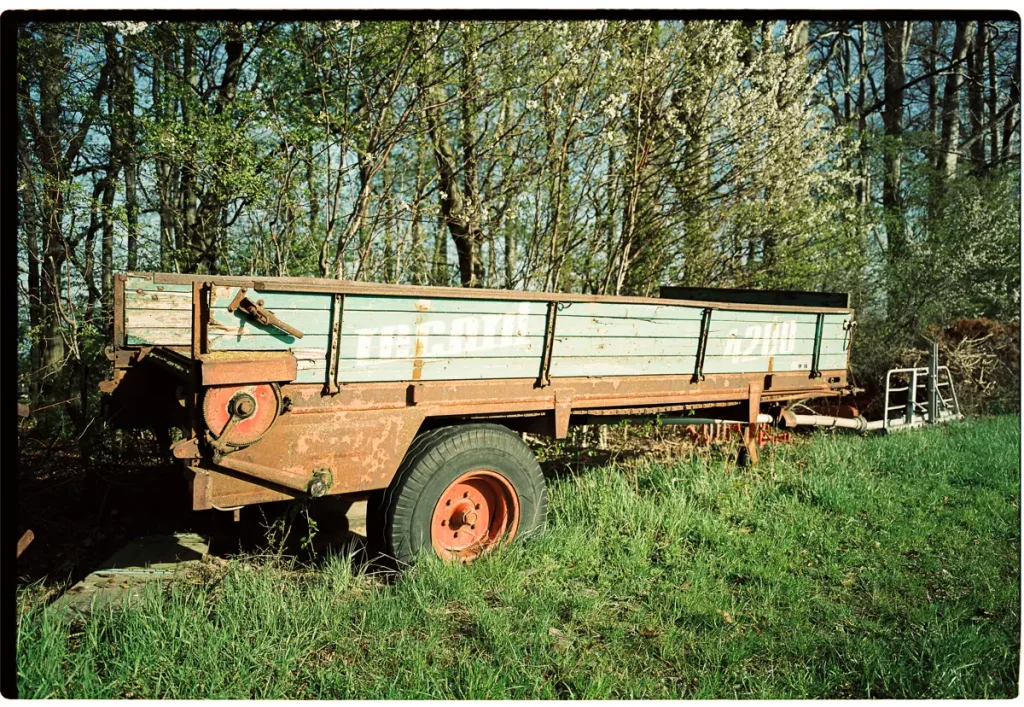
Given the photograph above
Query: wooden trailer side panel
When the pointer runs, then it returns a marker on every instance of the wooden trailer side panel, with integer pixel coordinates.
(391, 338)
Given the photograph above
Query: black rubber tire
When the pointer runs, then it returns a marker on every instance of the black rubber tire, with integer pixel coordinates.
(435, 459)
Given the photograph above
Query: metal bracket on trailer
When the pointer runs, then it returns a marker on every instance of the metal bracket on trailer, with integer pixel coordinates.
(333, 347)
(544, 378)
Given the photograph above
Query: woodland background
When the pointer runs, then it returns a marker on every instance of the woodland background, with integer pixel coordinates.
(880, 158)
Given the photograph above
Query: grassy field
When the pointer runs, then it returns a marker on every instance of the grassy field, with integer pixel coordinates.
(843, 567)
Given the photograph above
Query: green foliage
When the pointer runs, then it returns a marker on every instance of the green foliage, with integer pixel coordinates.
(886, 567)
(969, 253)
(591, 156)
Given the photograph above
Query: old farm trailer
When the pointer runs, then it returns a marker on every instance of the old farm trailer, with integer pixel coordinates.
(413, 396)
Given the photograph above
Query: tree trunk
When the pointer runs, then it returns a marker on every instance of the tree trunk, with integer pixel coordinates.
(115, 102)
(1010, 122)
(163, 167)
(440, 265)
(933, 80)
(417, 269)
(993, 103)
(949, 146)
(30, 227)
(976, 92)
(212, 212)
(464, 228)
(894, 36)
(864, 158)
(129, 161)
(187, 238)
(50, 109)
(107, 241)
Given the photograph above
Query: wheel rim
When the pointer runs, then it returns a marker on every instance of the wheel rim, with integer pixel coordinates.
(477, 511)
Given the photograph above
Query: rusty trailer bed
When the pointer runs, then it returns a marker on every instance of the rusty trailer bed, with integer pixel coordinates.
(358, 370)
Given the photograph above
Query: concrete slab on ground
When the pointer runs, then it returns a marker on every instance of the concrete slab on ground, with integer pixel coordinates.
(126, 573)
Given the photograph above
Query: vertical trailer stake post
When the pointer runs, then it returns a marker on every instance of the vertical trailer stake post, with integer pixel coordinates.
(819, 326)
(333, 347)
(544, 378)
(702, 345)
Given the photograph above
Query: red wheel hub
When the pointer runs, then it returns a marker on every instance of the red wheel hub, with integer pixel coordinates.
(476, 512)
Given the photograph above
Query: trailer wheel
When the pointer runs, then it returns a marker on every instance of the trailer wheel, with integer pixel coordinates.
(460, 492)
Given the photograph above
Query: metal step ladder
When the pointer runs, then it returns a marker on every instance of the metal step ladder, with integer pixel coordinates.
(914, 408)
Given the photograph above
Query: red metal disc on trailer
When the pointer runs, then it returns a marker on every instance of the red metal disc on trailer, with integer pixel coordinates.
(255, 406)
(476, 512)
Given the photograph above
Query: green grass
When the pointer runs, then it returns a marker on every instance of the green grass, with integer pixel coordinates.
(847, 567)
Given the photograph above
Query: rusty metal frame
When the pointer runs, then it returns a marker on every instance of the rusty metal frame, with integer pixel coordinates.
(521, 394)
(239, 367)
(361, 434)
(173, 362)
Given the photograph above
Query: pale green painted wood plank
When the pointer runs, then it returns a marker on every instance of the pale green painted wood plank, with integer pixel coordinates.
(770, 343)
(228, 341)
(158, 318)
(649, 347)
(136, 283)
(311, 375)
(721, 323)
(638, 311)
(374, 346)
(350, 370)
(574, 367)
(622, 346)
(159, 337)
(309, 321)
(379, 332)
(671, 365)
(221, 297)
(411, 305)
(780, 364)
(803, 330)
(158, 300)
(607, 327)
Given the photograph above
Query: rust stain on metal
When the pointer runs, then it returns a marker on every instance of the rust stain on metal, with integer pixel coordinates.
(234, 367)
(186, 449)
